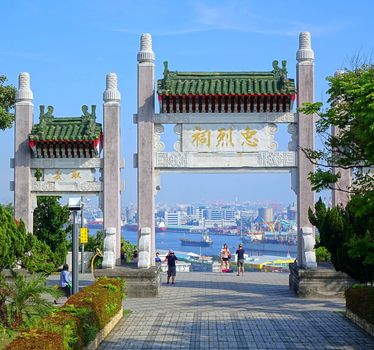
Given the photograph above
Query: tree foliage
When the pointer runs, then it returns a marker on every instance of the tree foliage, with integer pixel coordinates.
(95, 241)
(346, 237)
(348, 233)
(52, 226)
(127, 249)
(7, 100)
(12, 239)
(352, 111)
(19, 247)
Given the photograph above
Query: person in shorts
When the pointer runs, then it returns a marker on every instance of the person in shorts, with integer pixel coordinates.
(225, 258)
(172, 270)
(240, 259)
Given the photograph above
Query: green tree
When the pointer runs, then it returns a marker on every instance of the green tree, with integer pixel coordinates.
(348, 233)
(352, 111)
(7, 100)
(12, 238)
(38, 257)
(128, 249)
(52, 226)
(95, 241)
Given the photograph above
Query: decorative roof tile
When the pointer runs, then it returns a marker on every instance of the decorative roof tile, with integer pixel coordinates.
(273, 82)
(68, 137)
(82, 128)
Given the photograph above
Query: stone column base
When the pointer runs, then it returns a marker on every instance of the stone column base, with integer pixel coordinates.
(323, 282)
(139, 283)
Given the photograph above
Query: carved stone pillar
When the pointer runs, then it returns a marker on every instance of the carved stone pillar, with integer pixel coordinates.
(145, 157)
(144, 261)
(305, 93)
(111, 171)
(24, 110)
(110, 248)
(308, 243)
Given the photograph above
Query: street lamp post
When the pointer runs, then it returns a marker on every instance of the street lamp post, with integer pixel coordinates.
(75, 205)
(82, 245)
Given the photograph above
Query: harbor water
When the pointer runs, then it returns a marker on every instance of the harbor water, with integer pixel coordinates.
(171, 240)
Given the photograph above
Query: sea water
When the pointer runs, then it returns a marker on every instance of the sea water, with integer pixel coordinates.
(171, 240)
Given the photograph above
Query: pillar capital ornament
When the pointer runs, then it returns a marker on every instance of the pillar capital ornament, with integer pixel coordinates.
(111, 92)
(24, 92)
(146, 53)
(305, 52)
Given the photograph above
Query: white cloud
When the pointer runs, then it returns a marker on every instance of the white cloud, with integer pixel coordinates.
(238, 16)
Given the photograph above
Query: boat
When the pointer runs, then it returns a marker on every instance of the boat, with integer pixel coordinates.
(97, 223)
(204, 241)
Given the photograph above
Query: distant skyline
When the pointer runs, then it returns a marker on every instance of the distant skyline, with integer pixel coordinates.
(68, 48)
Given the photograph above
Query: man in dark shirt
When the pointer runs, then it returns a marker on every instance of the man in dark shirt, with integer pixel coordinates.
(172, 271)
(240, 261)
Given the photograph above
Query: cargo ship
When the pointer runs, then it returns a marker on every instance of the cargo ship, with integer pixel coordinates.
(134, 227)
(204, 241)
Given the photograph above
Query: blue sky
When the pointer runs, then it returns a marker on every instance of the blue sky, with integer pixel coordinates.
(69, 46)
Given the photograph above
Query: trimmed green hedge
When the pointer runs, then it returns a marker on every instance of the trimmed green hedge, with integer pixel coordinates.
(78, 321)
(360, 300)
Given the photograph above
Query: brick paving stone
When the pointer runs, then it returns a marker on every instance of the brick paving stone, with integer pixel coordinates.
(219, 311)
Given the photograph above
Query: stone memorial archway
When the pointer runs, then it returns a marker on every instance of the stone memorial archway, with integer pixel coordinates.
(226, 122)
(59, 156)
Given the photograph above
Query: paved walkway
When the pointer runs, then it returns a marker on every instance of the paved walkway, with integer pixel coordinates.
(223, 311)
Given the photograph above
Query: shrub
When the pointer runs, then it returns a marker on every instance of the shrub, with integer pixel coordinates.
(360, 300)
(348, 238)
(77, 322)
(104, 299)
(21, 301)
(323, 255)
(36, 339)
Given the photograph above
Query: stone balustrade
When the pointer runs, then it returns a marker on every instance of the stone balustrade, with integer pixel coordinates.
(181, 266)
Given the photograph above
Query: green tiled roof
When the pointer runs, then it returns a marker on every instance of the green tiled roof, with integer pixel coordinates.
(273, 82)
(66, 129)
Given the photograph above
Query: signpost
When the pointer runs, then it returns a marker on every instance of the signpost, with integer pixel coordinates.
(83, 240)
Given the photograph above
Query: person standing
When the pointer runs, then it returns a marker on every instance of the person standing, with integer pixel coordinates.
(172, 269)
(157, 258)
(65, 281)
(135, 257)
(240, 259)
(225, 258)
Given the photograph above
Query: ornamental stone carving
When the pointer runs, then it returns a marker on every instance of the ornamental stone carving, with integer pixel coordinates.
(177, 146)
(308, 243)
(292, 129)
(90, 186)
(144, 261)
(305, 52)
(109, 258)
(146, 53)
(24, 92)
(159, 146)
(276, 159)
(178, 129)
(171, 160)
(42, 186)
